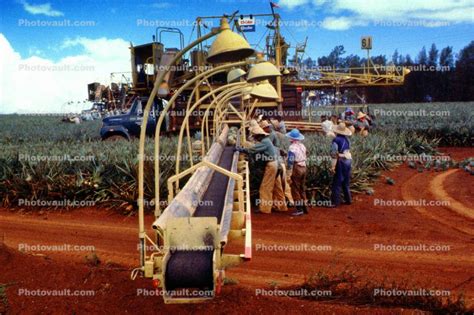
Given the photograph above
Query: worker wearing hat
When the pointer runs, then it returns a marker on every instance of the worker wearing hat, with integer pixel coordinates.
(264, 151)
(279, 127)
(281, 190)
(297, 168)
(362, 124)
(341, 164)
(349, 118)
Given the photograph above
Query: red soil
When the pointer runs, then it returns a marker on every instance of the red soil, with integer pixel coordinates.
(350, 231)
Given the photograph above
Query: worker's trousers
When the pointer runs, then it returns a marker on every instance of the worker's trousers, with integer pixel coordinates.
(279, 190)
(298, 185)
(286, 182)
(341, 179)
(265, 201)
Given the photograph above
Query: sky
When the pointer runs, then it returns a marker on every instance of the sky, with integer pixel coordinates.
(51, 49)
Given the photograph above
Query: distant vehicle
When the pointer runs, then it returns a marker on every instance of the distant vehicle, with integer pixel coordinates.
(96, 112)
(128, 125)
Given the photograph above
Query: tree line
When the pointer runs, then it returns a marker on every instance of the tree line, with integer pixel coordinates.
(435, 75)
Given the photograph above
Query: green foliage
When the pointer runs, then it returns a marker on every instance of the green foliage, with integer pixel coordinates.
(16, 129)
(106, 172)
(94, 171)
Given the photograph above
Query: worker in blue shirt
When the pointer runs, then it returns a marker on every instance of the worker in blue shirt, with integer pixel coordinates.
(341, 165)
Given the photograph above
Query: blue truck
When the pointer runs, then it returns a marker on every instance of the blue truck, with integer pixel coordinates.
(127, 126)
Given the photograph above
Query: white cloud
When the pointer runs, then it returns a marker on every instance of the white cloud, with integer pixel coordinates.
(44, 9)
(290, 4)
(348, 13)
(340, 23)
(40, 85)
(408, 9)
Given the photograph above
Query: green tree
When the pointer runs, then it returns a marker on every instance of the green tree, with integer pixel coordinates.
(334, 59)
(446, 57)
(422, 57)
(465, 73)
(395, 57)
(433, 56)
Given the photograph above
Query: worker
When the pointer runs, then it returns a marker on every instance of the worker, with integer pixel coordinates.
(341, 164)
(349, 118)
(348, 114)
(279, 126)
(281, 190)
(297, 169)
(326, 125)
(362, 125)
(265, 152)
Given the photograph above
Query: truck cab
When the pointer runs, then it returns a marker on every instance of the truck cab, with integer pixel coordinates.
(127, 126)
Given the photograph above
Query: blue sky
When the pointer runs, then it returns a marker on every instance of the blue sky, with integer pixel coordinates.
(56, 61)
(119, 19)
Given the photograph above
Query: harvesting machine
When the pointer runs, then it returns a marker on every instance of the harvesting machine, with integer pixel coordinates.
(206, 225)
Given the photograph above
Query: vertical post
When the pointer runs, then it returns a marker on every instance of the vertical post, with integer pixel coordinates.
(278, 61)
(368, 65)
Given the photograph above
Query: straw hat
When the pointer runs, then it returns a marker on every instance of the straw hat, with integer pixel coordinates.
(361, 115)
(341, 129)
(257, 130)
(252, 123)
(264, 124)
(295, 134)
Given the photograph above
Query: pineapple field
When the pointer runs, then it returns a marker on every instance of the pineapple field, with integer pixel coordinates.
(44, 159)
(405, 159)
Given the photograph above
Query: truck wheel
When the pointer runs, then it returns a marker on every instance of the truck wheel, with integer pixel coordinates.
(115, 138)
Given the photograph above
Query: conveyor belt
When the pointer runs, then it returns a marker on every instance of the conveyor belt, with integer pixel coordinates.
(189, 269)
(193, 269)
(213, 200)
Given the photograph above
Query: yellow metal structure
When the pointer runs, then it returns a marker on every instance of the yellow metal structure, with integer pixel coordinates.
(262, 71)
(228, 46)
(176, 227)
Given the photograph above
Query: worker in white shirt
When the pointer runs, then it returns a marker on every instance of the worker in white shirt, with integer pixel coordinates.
(327, 126)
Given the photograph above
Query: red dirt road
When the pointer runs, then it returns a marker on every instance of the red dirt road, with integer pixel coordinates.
(350, 235)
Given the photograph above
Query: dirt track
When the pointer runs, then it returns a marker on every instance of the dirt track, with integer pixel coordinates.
(351, 232)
